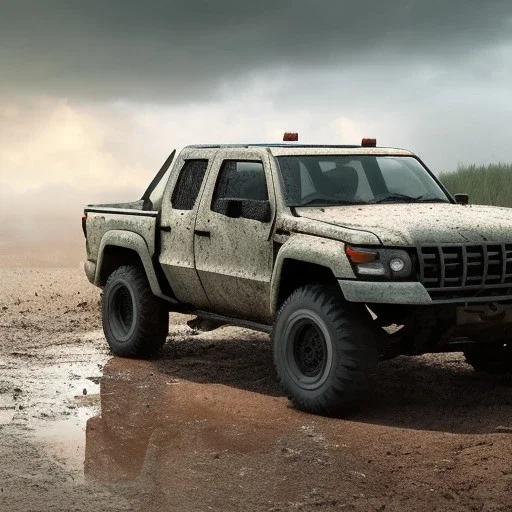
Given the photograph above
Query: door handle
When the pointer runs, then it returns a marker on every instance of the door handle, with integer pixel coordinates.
(165, 228)
(198, 232)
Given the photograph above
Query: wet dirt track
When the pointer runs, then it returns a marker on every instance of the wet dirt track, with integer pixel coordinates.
(205, 427)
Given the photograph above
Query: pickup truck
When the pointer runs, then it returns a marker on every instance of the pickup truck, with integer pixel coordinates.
(346, 255)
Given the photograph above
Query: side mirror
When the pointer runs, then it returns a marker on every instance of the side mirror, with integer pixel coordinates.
(461, 198)
(229, 207)
(253, 209)
(256, 209)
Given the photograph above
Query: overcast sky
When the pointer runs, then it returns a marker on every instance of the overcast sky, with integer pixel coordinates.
(95, 94)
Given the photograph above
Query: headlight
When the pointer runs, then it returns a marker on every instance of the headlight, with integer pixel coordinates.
(397, 264)
(388, 263)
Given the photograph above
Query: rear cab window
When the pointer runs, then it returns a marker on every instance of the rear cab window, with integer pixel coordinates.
(186, 190)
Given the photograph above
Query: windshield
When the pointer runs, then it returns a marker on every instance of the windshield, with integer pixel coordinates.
(326, 180)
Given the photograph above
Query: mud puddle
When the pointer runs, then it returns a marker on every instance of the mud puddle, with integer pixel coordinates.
(48, 394)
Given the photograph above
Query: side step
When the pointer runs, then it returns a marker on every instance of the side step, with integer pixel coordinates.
(209, 321)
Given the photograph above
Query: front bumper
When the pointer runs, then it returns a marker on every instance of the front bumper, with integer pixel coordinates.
(385, 292)
(413, 293)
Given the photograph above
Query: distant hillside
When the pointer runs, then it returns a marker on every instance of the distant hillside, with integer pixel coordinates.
(485, 184)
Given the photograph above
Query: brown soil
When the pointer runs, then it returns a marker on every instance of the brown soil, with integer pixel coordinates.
(205, 426)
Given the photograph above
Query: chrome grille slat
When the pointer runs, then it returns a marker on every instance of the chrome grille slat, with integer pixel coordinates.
(504, 261)
(442, 265)
(464, 266)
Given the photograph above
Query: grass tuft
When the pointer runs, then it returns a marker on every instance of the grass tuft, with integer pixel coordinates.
(485, 184)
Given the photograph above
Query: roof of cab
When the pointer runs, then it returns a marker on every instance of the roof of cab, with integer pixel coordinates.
(283, 149)
(337, 150)
(270, 145)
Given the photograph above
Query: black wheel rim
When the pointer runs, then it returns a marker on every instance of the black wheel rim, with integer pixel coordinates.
(308, 349)
(122, 312)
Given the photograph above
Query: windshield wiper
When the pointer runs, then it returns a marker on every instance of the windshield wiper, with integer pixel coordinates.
(432, 200)
(409, 199)
(325, 202)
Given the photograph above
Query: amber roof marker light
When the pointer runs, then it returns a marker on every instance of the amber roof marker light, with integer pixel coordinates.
(369, 143)
(290, 137)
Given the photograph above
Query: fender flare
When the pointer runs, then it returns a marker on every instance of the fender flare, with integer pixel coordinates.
(324, 252)
(135, 242)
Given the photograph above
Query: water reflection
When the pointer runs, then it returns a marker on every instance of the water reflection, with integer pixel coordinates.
(206, 445)
(142, 408)
(211, 446)
(117, 439)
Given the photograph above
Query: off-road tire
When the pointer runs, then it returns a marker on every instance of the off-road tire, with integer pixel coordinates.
(324, 351)
(490, 359)
(135, 322)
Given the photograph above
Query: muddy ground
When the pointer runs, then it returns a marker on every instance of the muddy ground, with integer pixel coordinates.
(206, 427)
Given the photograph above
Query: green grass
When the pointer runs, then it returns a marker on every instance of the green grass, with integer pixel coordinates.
(485, 184)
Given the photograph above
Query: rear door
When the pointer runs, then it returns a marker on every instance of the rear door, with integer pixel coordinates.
(179, 211)
(234, 256)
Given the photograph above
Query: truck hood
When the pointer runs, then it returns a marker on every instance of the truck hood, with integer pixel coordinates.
(420, 223)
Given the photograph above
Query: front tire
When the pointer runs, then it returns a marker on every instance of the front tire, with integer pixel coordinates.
(490, 359)
(135, 322)
(324, 351)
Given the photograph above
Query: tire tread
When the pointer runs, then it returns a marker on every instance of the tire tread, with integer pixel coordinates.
(353, 338)
(153, 319)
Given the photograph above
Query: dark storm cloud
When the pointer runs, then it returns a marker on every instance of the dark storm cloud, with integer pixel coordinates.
(174, 50)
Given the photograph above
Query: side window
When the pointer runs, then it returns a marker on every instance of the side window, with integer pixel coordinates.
(188, 184)
(241, 180)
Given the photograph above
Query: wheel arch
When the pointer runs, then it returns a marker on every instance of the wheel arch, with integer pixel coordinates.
(118, 248)
(307, 259)
(296, 273)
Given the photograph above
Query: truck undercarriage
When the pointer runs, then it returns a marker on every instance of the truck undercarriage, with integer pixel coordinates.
(415, 330)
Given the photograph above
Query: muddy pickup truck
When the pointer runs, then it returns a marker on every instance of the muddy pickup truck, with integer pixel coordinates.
(347, 255)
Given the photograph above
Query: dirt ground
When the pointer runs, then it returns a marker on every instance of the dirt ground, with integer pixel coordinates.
(206, 427)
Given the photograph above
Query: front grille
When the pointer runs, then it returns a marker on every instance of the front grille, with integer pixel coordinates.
(465, 270)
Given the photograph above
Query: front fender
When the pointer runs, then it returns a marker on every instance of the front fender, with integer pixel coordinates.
(135, 242)
(310, 249)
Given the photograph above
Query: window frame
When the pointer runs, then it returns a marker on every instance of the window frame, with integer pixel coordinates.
(224, 161)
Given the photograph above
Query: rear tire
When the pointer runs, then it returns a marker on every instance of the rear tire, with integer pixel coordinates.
(490, 359)
(135, 322)
(324, 351)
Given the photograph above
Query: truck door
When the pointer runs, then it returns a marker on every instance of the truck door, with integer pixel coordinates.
(233, 251)
(179, 212)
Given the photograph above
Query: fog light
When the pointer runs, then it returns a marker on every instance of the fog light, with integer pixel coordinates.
(371, 269)
(397, 264)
